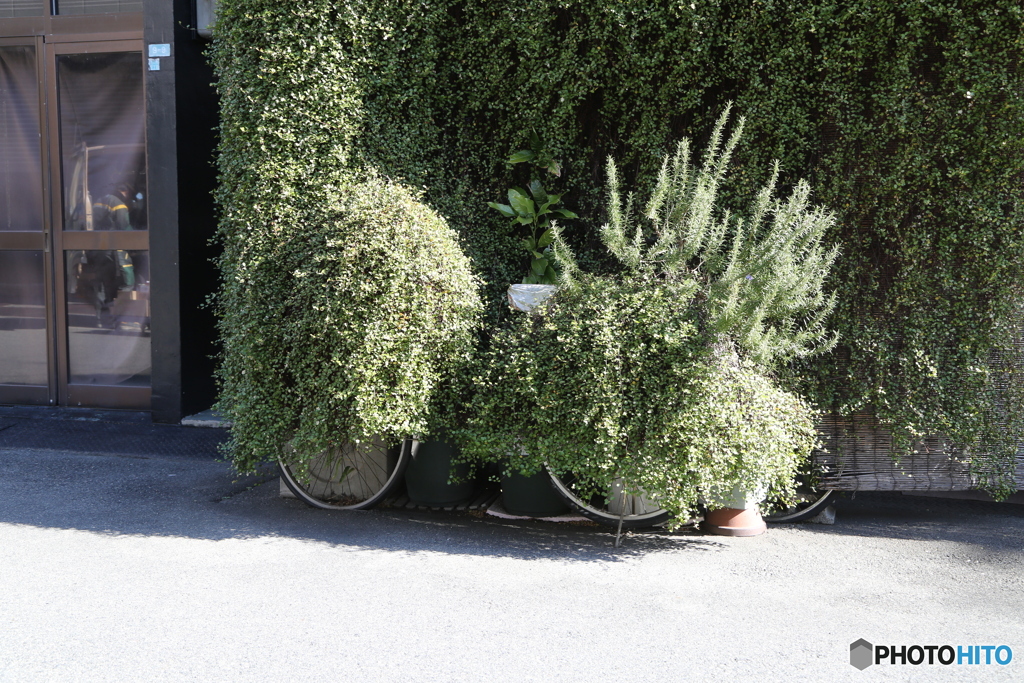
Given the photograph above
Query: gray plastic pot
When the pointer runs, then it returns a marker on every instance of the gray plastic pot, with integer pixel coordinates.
(428, 474)
(532, 496)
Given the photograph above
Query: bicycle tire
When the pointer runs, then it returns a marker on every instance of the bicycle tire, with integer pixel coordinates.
(605, 509)
(349, 477)
(812, 502)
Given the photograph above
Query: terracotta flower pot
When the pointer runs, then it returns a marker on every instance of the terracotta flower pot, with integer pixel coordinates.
(733, 522)
(735, 514)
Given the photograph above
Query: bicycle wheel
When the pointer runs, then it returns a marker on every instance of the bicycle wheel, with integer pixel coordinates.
(350, 476)
(811, 502)
(607, 508)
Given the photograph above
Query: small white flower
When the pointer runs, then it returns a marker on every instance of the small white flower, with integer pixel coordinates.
(969, 94)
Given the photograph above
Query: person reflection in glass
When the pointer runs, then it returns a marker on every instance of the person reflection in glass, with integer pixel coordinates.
(102, 274)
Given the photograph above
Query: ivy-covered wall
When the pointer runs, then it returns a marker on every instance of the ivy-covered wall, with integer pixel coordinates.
(905, 116)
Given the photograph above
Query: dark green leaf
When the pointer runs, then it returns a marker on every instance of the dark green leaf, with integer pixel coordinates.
(521, 204)
(504, 209)
(537, 190)
(521, 156)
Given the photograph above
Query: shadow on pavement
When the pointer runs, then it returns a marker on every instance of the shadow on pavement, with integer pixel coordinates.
(201, 498)
(122, 475)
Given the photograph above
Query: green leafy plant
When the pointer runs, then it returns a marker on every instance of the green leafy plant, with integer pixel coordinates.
(758, 278)
(344, 329)
(535, 210)
(538, 155)
(657, 376)
(616, 383)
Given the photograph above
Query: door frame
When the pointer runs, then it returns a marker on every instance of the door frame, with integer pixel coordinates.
(54, 241)
(68, 393)
(160, 22)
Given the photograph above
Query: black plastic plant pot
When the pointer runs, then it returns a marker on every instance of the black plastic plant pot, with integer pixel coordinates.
(533, 496)
(426, 478)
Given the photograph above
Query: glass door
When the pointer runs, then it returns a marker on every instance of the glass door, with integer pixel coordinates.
(96, 122)
(27, 368)
(74, 241)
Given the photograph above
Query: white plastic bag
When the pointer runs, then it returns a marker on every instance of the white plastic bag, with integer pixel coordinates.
(528, 297)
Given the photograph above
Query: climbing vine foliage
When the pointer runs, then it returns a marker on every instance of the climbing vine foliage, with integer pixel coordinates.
(904, 116)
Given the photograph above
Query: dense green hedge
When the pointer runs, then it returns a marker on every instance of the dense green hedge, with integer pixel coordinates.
(345, 329)
(905, 116)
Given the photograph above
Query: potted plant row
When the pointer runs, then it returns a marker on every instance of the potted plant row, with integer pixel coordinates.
(659, 378)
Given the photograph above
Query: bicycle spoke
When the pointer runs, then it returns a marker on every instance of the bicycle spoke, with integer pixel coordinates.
(349, 476)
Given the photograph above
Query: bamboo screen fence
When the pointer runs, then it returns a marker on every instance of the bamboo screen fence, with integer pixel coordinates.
(857, 456)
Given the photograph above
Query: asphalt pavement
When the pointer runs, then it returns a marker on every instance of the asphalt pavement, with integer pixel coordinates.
(130, 551)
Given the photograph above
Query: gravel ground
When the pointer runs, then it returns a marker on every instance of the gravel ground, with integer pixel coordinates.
(122, 567)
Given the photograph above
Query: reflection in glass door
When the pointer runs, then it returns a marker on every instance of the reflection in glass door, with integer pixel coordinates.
(101, 125)
(25, 352)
